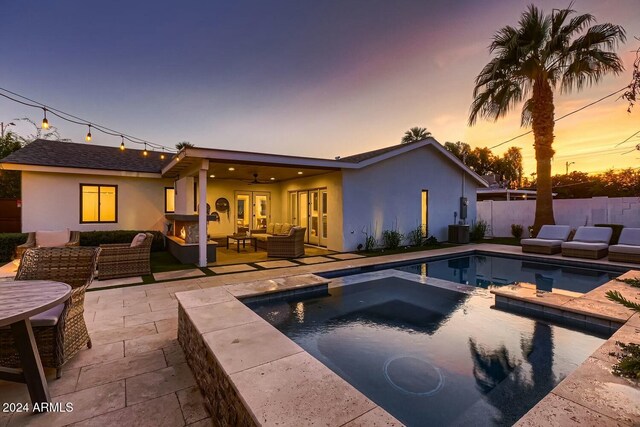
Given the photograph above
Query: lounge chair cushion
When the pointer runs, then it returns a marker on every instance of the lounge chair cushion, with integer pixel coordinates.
(138, 240)
(286, 228)
(588, 246)
(593, 234)
(51, 239)
(625, 249)
(49, 317)
(541, 242)
(554, 232)
(630, 236)
(270, 228)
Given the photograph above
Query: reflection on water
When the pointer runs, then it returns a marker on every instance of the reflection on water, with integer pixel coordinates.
(431, 356)
(485, 271)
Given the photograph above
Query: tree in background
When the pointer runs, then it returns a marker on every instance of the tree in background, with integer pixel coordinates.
(415, 134)
(459, 149)
(184, 144)
(530, 61)
(483, 162)
(633, 90)
(9, 180)
(509, 166)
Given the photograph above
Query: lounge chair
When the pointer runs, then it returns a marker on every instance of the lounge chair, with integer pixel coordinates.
(628, 247)
(48, 240)
(548, 241)
(589, 242)
(291, 246)
(126, 260)
(60, 332)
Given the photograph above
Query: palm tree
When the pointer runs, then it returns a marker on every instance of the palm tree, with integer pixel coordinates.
(543, 53)
(183, 144)
(415, 134)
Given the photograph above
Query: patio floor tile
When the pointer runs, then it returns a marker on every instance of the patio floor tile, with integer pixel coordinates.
(103, 373)
(139, 319)
(231, 268)
(314, 260)
(157, 383)
(167, 325)
(98, 353)
(103, 284)
(142, 307)
(346, 256)
(86, 404)
(192, 404)
(121, 334)
(161, 412)
(173, 354)
(163, 304)
(276, 264)
(178, 274)
(149, 343)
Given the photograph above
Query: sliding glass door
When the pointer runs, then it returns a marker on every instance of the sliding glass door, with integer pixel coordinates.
(308, 208)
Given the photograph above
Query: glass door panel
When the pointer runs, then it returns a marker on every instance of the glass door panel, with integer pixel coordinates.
(293, 208)
(261, 210)
(323, 224)
(303, 211)
(243, 212)
(314, 218)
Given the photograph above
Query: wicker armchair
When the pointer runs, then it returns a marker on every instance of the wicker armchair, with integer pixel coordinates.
(58, 338)
(121, 260)
(291, 246)
(74, 240)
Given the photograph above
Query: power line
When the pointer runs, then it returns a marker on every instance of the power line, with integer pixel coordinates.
(620, 143)
(80, 121)
(564, 116)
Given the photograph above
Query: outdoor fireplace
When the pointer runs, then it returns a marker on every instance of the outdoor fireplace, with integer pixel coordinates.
(183, 238)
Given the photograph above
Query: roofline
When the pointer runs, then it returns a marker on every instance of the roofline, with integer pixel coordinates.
(76, 170)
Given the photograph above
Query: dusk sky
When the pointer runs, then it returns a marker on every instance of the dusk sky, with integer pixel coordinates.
(312, 78)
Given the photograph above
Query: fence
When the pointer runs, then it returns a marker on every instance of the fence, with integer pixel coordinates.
(574, 212)
(10, 216)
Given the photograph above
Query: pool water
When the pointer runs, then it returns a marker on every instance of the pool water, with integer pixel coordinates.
(432, 356)
(484, 270)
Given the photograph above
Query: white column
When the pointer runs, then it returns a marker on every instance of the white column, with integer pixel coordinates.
(202, 213)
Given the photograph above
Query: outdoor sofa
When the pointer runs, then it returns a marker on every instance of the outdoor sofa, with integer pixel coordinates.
(39, 239)
(126, 260)
(263, 234)
(588, 242)
(60, 332)
(628, 247)
(548, 241)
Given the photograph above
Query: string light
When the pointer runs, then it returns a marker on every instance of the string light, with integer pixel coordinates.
(88, 137)
(162, 154)
(45, 122)
(122, 143)
(145, 153)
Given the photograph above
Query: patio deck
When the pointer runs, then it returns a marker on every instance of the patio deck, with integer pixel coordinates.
(136, 373)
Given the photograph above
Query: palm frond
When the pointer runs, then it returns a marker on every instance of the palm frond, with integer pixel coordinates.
(616, 296)
(526, 118)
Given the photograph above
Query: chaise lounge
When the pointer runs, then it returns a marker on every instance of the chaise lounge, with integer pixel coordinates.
(589, 242)
(628, 247)
(548, 241)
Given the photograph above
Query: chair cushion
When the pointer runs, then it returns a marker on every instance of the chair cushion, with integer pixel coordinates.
(51, 239)
(270, 228)
(138, 240)
(286, 228)
(554, 232)
(630, 236)
(541, 242)
(594, 246)
(277, 228)
(593, 234)
(625, 249)
(49, 317)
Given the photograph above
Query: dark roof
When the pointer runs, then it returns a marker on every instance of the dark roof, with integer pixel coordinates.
(43, 152)
(361, 157)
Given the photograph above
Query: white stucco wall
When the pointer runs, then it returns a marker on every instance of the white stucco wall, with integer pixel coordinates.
(51, 201)
(387, 194)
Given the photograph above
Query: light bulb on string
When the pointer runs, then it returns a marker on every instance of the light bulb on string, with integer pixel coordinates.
(45, 122)
(162, 154)
(122, 143)
(88, 137)
(145, 153)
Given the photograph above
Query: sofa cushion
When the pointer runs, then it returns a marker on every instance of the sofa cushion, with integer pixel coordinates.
(270, 228)
(593, 234)
(51, 239)
(589, 246)
(261, 236)
(277, 228)
(547, 243)
(630, 236)
(554, 232)
(286, 228)
(625, 249)
(138, 240)
(49, 317)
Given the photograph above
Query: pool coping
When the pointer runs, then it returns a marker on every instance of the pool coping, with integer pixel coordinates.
(389, 261)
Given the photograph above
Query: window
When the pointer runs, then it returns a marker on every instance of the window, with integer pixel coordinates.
(169, 199)
(98, 203)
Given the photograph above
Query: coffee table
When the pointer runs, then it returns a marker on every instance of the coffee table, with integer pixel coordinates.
(243, 239)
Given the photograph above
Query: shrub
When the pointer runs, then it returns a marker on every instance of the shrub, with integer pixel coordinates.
(370, 242)
(478, 230)
(96, 238)
(617, 229)
(391, 239)
(516, 231)
(431, 241)
(8, 243)
(416, 236)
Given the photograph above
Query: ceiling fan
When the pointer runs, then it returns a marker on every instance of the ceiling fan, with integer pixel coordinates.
(256, 181)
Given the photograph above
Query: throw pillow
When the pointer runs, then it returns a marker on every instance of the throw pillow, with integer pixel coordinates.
(138, 240)
(277, 229)
(51, 239)
(286, 227)
(270, 228)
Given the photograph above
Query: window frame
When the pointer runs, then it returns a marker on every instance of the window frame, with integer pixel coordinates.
(84, 184)
(165, 199)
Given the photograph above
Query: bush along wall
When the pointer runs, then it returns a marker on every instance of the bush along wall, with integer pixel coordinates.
(8, 243)
(97, 238)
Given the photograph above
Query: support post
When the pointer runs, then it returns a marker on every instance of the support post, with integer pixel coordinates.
(202, 213)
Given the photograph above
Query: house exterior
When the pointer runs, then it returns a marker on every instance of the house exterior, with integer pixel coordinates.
(88, 187)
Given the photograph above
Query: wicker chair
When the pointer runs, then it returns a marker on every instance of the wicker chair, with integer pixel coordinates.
(74, 240)
(121, 260)
(60, 332)
(291, 246)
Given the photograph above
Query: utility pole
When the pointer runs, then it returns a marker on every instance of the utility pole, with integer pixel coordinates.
(5, 127)
(567, 164)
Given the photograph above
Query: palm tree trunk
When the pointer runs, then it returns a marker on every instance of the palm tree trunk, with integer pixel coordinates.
(542, 116)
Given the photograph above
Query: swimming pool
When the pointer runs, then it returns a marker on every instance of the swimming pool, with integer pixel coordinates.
(430, 355)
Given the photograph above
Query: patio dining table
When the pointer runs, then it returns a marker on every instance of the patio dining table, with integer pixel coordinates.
(20, 300)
